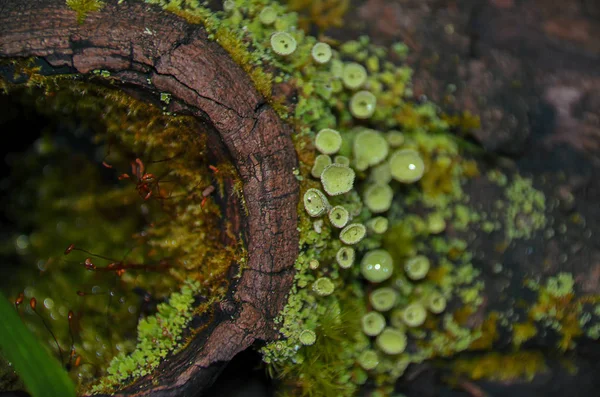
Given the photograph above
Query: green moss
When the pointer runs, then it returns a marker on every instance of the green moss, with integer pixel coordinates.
(84, 7)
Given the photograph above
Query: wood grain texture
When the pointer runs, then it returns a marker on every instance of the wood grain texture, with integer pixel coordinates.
(137, 42)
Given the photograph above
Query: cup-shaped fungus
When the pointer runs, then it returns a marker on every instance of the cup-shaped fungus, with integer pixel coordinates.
(345, 257)
(368, 359)
(373, 323)
(406, 165)
(267, 16)
(283, 43)
(328, 141)
(378, 225)
(377, 265)
(354, 75)
(308, 337)
(394, 138)
(381, 174)
(370, 146)
(414, 314)
(353, 233)
(315, 202)
(321, 161)
(362, 104)
(436, 303)
(416, 268)
(321, 53)
(391, 341)
(383, 299)
(339, 216)
(343, 160)
(337, 179)
(378, 198)
(436, 223)
(323, 286)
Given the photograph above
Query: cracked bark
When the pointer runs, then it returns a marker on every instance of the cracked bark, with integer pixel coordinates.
(135, 43)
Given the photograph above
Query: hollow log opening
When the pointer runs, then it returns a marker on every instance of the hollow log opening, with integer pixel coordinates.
(193, 76)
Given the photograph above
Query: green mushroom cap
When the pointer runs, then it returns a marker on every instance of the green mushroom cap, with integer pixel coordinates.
(328, 141)
(395, 138)
(368, 359)
(414, 314)
(377, 265)
(308, 337)
(353, 233)
(436, 303)
(383, 299)
(321, 161)
(321, 53)
(345, 257)
(370, 146)
(342, 160)
(283, 43)
(337, 179)
(406, 165)
(373, 323)
(323, 286)
(362, 104)
(416, 268)
(354, 75)
(315, 202)
(378, 225)
(378, 198)
(391, 341)
(339, 216)
(267, 16)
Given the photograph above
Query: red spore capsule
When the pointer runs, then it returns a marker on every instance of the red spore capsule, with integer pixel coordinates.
(33, 303)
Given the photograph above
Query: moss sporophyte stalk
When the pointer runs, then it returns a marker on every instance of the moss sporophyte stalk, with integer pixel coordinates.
(381, 282)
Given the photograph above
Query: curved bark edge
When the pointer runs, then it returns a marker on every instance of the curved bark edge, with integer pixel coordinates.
(155, 51)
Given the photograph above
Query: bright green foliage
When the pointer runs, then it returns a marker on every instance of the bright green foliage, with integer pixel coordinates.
(42, 374)
(158, 335)
(84, 7)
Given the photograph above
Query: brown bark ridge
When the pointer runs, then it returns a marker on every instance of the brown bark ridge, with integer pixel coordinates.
(136, 42)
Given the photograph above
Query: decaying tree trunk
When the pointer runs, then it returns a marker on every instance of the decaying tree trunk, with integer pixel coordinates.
(138, 44)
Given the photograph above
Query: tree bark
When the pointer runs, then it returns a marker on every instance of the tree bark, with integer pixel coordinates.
(138, 43)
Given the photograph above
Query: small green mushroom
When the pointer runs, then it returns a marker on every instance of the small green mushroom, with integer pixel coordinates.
(323, 286)
(337, 179)
(391, 341)
(267, 16)
(406, 165)
(283, 43)
(362, 104)
(378, 225)
(436, 303)
(378, 198)
(313, 264)
(373, 323)
(416, 268)
(394, 138)
(381, 174)
(353, 233)
(368, 359)
(321, 52)
(345, 257)
(436, 223)
(377, 265)
(370, 146)
(343, 160)
(315, 202)
(339, 216)
(321, 161)
(414, 314)
(354, 75)
(383, 299)
(308, 337)
(328, 141)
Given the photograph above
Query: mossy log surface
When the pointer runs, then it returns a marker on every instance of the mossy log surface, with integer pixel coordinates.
(136, 43)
